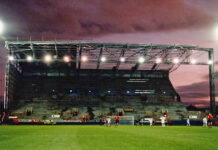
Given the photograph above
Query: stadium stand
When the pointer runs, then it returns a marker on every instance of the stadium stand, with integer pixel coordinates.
(148, 94)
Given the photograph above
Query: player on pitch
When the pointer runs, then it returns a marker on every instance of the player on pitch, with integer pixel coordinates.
(209, 120)
(117, 119)
(205, 122)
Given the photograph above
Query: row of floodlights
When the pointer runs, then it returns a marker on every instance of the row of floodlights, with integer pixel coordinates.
(48, 58)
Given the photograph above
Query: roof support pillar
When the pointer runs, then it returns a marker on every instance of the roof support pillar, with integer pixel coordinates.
(212, 82)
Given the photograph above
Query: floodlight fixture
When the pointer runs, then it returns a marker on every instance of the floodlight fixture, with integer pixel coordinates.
(66, 59)
(158, 60)
(10, 58)
(103, 59)
(47, 58)
(1, 27)
(141, 60)
(29, 58)
(210, 62)
(216, 32)
(84, 58)
(122, 59)
(175, 60)
(193, 61)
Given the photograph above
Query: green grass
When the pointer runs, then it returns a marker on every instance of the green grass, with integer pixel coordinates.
(107, 138)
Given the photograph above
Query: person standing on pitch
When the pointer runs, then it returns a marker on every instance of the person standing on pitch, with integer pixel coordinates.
(209, 120)
(188, 122)
(0, 118)
(151, 121)
(106, 121)
(86, 117)
(101, 121)
(204, 122)
(3, 118)
(162, 121)
(109, 121)
(117, 119)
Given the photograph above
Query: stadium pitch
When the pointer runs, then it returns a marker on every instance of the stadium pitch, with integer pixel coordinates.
(66, 137)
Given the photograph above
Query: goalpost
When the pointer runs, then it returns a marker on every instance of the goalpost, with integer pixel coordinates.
(124, 120)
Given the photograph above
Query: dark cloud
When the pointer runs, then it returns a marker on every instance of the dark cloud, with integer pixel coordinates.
(198, 103)
(216, 74)
(197, 91)
(194, 95)
(87, 18)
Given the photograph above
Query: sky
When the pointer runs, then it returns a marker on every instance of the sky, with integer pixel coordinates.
(189, 22)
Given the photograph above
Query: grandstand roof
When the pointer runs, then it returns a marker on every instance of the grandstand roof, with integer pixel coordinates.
(111, 51)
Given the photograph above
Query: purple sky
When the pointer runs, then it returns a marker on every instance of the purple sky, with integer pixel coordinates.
(187, 22)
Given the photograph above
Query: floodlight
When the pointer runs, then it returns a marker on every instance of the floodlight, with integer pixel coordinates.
(47, 58)
(175, 60)
(103, 59)
(84, 58)
(216, 33)
(66, 59)
(210, 62)
(141, 59)
(11, 58)
(29, 58)
(193, 61)
(158, 60)
(122, 59)
(1, 27)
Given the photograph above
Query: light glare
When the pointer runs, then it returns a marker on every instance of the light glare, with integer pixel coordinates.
(66, 59)
(1, 27)
(141, 59)
(29, 58)
(158, 60)
(175, 60)
(103, 59)
(193, 61)
(84, 58)
(122, 59)
(47, 58)
(11, 58)
(210, 62)
(216, 33)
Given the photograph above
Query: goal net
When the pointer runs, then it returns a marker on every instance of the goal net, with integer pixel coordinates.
(124, 120)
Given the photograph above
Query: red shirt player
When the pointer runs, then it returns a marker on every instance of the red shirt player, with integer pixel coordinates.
(32, 121)
(87, 117)
(106, 121)
(117, 119)
(101, 121)
(209, 120)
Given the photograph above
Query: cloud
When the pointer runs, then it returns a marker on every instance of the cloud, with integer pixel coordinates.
(197, 92)
(215, 76)
(90, 18)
